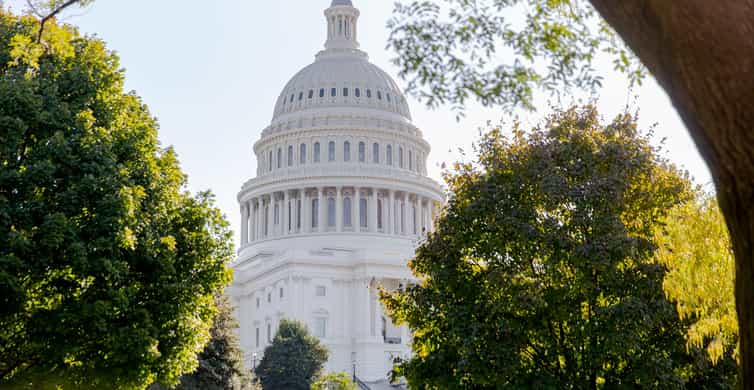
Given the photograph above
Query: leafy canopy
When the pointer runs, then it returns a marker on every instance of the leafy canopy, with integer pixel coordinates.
(500, 52)
(334, 381)
(294, 360)
(221, 365)
(695, 247)
(108, 267)
(541, 272)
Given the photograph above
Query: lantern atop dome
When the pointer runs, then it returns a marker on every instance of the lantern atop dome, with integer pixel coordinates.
(342, 19)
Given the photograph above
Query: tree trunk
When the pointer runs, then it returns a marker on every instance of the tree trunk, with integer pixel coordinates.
(702, 53)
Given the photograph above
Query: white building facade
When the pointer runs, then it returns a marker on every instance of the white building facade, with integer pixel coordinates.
(340, 199)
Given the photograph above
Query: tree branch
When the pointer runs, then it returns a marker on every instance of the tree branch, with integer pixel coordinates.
(52, 15)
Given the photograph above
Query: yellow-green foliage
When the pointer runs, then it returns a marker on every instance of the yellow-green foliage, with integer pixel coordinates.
(695, 246)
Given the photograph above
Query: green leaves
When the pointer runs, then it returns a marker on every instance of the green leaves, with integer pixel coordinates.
(695, 247)
(108, 267)
(500, 51)
(294, 360)
(541, 273)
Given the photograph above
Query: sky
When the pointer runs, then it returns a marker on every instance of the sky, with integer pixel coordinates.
(212, 71)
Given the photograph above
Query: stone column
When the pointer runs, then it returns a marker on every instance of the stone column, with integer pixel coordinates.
(268, 212)
(373, 211)
(356, 209)
(431, 215)
(305, 223)
(391, 212)
(406, 214)
(285, 213)
(244, 224)
(322, 226)
(339, 209)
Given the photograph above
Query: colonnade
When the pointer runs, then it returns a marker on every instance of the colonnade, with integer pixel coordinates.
(336, 209)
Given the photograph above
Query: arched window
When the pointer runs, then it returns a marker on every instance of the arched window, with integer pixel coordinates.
(369, 93)
(269, 159)
(347, 212)
(376, 153)
(389, 155)
(315, 213)
(346, 151)
(379, 95)
(280, 158)
(362, 152)
(333, 92)
(363, 212)
(357, 92)
(302, 154)
(330, 212)
(379, 213)
(400, 156)
(321, 92)
(301, 96)
(410, 160)
(331, 151)
(290, 155)
(387, 95)
(316, 152)
(292, 96)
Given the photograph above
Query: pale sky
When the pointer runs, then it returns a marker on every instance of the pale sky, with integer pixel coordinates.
(211, 72)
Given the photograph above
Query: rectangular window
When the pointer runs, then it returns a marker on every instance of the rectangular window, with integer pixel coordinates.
(281, 292)
(376, 153)
(298, 213)
(258, 300)
(345, 92)
(315, 213)
(320, 327)
(334, 92)
(330, 212)
(321, 92)
(363, 212)
(257, 334)
(347, 212)
(269, 332)
(320, 291)
(347, 151)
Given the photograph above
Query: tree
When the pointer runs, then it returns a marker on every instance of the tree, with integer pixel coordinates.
(541, 272)
(294, 359)
(693, 244)
(221, 362)
(108, 267)
(699, 51)
(334, 381)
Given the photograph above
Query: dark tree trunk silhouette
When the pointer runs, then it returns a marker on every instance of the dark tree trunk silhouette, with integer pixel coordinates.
(702, 53)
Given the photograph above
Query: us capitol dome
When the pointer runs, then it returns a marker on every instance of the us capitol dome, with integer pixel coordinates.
(340, 200)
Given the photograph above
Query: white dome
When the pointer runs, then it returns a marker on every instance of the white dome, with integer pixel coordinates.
(341, 80)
